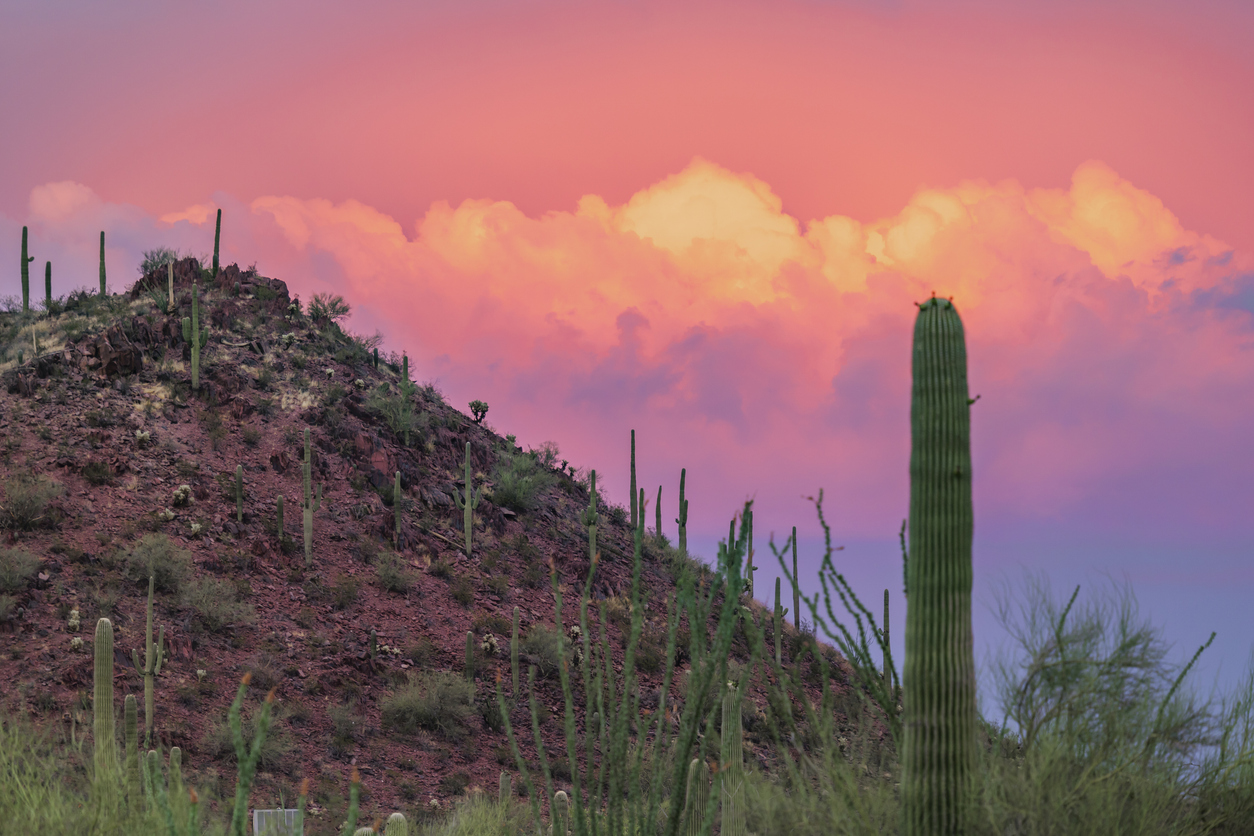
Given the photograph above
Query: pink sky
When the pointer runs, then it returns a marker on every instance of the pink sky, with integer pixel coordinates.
(709, 223)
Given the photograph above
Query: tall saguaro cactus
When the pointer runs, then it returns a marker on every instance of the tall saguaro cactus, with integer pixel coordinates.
(796, 584)
(102, 264)
(104, 730)
(939, 745)
(194, 334)
(634, 501)
(217, 236)
(310, 503)
(48, 286)
(130, 734)
(731, 773)
(682, 519)
(26, 260)
(468, 505)
(590, 518)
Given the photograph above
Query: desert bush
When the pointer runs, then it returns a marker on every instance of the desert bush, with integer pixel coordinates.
(159, 257)
(276, 748)
(399, 413)
(17, 567)
(157, 555)
(8, 605)
(392, 574)
(27, 501)
(329, 307)
(438, 702)
(542, 645)
(216, 604)
(463, 590)
(97, 472)
(518, 480)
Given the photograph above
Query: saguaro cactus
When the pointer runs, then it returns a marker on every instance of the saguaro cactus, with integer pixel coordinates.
(470, 503)
(102, 264)
(506, 788)
(26, 260)
(278, 513)
(682, 519)
(217, 236)
(396, 508)
(153, 657)
(48, 286)
(731, 773)
(634, 501)
(311, 503)
(397, 825)
(939, 742)
(239, 493)
(169, 276)
(590, 518)
(470, 655)
(194, 334)
(778, 623)
(796, 584)
(104, 733)
(561, 814)
(698, 796)
(888, 672)
(130, 727)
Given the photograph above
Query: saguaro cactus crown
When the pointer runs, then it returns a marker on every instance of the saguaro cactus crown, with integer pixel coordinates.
(939, 747)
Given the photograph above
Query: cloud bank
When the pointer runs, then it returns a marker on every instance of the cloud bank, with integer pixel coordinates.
(1111, 347)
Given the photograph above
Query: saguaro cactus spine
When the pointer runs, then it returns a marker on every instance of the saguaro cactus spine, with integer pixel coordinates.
(26, 260)
(939, 741)
(217, 236)
(102, 264)
(154, 655)
(470, 503)
(104, 735)
(194, 334)
(239, 493)
(311, 503)
(682, 519)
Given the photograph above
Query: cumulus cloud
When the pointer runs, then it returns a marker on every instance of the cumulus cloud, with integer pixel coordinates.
(770, 356)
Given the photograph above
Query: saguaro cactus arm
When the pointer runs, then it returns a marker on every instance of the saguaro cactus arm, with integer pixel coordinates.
(939, 750)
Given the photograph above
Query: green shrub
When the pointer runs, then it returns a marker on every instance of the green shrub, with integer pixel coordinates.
(276, 749)
(344, 593)
(400, 414)
(17, 567)
(438, 702)
(155, 554)
(463, 590)
(97, 472)
(518, 480)
(454, 783)
(393, 576)
(7, 605)
(159, 257)
(216, 604)
(27, 501)
(542, 645)
(327, 306)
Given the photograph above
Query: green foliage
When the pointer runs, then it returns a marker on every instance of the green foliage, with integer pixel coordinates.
(518, 480)
(332, 308)
(27, 502)
(159, 257)
(155, 554)
(544, 647)
(216, 604)
(97, 472)
(17, 567)
(439, 702)
(479, 409)
(393, 574)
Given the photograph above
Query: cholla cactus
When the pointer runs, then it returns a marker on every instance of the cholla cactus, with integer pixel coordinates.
(196, 528)
(76, 644)
(142, 438)
(73, 623)
(182, 495)
(165, 515)
(490, 646)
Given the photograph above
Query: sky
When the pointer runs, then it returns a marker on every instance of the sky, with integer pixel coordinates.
(710, 223)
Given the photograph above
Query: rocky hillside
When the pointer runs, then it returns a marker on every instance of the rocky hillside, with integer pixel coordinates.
(114, 466)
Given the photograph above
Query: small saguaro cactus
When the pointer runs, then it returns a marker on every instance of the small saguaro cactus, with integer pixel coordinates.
(471, 501)
(169, 277)
(657, 507)
(239, 493)
(731, 772)
(590, 518)
(779, 614)
(217, 237)
(103, 720)
(130, 733)
(102, 264)
(194, 334)
(26, 260)
(396, 508)
(278, 513)
(561, 814)
(939, 753)
(697, 796)
(376, 359)
(470, 655)
(682, 519)
(749, 567)
(48, 286)
(397, 825)
(506, 789)
(154, 655)
(311, 503)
